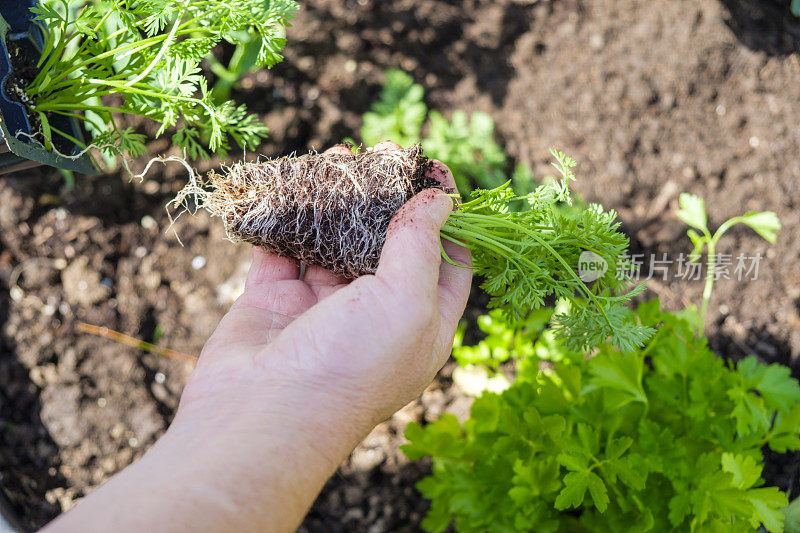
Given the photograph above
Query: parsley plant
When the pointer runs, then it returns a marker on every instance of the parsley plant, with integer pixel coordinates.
(465, 142)
(667, 438)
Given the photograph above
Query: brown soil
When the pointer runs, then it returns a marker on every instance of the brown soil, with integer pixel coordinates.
(652, 98)
(23, 71)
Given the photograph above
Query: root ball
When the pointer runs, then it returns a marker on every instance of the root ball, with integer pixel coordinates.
(330, 210)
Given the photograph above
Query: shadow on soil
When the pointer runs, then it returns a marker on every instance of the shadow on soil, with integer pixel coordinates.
(111, 197)
(391, 504)
(765, 25)
(25, 471)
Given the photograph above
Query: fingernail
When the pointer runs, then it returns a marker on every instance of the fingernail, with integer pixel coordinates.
(441, 173)
(440, 207)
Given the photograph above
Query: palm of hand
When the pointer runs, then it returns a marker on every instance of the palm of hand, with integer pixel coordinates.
(379, 339)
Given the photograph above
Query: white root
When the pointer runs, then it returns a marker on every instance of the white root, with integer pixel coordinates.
(330, 210)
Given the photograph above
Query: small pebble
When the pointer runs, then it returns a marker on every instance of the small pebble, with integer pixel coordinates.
(721, 110)
(724, 309)
(198, 262)
(755, 141)
(107, 283)
(350, 65)
(16, 293)
(140, 252)
(151, 187)
(149, 222)
(63, 308)
(102, 402)
(82, 285)
(133, 442)
(160, 377)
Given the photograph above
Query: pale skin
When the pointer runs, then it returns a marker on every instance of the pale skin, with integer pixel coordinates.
(295, 375)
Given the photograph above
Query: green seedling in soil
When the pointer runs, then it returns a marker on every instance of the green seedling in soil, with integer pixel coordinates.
(693, 213)
(333, 210)
(106, 58)
(398, 114)
(465, 143)
(504, 339)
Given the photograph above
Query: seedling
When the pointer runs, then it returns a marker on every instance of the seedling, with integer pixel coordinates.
(104, 58)
(465, 142)
(693, 213)
(333, 210)
(399, 113)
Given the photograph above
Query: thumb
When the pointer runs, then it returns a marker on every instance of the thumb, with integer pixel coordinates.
(411, 255)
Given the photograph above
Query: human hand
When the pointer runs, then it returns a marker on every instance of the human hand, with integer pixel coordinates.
(296, 374)
(299, 371)
(373, 343)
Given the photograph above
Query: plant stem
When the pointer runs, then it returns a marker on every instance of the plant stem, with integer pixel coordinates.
(709, 287)
(83, 107)
(472, 229)
(711, 271)
(544, 244)
(133, 342)
(158, 57)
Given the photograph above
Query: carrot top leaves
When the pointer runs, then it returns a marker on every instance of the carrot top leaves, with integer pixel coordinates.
(529, 256)
(148, 53)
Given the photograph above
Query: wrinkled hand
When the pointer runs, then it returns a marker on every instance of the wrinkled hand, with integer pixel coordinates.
(300, 370)
(296, 374)
(374, 343)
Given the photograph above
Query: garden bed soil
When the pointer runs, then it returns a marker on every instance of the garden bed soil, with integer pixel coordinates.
(652, 98)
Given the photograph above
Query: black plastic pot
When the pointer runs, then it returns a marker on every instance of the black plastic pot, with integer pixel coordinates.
(17, 151)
